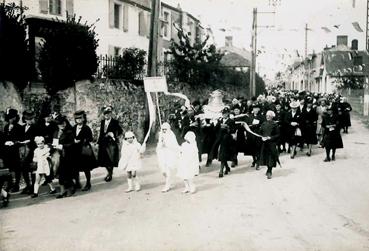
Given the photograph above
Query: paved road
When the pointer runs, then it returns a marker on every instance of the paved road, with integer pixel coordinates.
(308, 205)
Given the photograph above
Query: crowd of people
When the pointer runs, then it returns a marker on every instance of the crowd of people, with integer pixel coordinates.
(262, 127)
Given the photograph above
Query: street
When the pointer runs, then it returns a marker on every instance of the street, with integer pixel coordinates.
(307, 205)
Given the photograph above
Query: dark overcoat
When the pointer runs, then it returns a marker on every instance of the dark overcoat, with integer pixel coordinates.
(269, 154)
(108, 155)
(83, 162)
(309, 123)
(344, 114)
(11, 153)
(331, 132)
(293, 139)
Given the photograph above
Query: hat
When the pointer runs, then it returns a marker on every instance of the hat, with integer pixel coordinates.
(237, 106)
(129, 134)
(256, 105)
(11, 113)
(165, 126)
(107, 109)
(39, 139)
(79, 114)
(226, 110)
(294, 104)
(60, 120)
(28, 114)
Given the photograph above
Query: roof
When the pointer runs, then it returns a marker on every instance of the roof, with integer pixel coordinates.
(231, 59)
(242, 52)
(339, 62)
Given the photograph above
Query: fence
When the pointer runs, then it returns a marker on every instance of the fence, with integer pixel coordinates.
(108, 68)
(355, 98)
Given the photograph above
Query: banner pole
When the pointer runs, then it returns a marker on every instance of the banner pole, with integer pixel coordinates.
(157, 105)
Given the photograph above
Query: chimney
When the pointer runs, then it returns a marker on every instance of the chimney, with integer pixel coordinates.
(228, 41)
(354, 45)
(342, 40)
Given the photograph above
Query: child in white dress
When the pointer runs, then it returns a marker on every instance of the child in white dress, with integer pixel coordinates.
(188, 166)
(167, 151)
(40, 157)
(130, 161)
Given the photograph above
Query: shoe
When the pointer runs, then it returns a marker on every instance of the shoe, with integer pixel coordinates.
(257, 167)
(208, 163)
(269, 176)
(72, 191)
(308, 154)
(226, 172)
(77, 186)
(26, 191)
(333, 158)
(165, 189)
(327, 159)
(220, 175)
(129, 189)
(35, 195)
(108, 178)
(62, 195)
(86, 188)
(52, 191)
(193, 190)
(15, 189)
(233, 164)
(185, 191)
(6, 200)
(253, 164)
(137, 187)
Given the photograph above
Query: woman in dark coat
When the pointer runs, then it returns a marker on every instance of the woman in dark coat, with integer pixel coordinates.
(293, 121)
(344, 113)
(12, 136)
(63, 141)
(84, 158)
(253, 143)
(110, 131)
(309, 118)
(331, 134)
(208, 139)
(269, 155)
(280, 119)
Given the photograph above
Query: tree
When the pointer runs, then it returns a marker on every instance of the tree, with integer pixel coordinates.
(68, 54)
(129, 66)
(349, 81)
(193, 63)
(15, 61)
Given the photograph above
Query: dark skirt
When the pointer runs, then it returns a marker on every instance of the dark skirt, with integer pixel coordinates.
(332, 140)
(108, 155)
(269, 155)
(309, 135)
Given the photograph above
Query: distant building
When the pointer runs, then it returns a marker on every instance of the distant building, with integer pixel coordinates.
(320, 72)
(235, 58)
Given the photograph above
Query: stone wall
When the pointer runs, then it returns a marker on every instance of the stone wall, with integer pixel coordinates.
(128, 101)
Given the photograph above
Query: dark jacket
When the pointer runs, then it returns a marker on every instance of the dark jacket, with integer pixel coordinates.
(269, 152)
(11, 153)
(108, 155)
(331, 132)
(83, 161)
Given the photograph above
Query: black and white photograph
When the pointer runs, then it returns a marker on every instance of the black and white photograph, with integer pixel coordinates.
(184, 125)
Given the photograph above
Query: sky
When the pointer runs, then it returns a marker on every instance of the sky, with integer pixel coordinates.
(277, 45)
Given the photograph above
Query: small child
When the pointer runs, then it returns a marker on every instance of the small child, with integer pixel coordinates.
(131, 153)
(40, 157)
(189, 164)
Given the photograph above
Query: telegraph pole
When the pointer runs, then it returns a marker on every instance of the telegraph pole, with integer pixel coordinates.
(253, 53)
(154, 36)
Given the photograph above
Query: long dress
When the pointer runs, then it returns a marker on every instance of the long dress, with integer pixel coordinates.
(167, 151)
(83, 161)
(309, 123)
(188, 165)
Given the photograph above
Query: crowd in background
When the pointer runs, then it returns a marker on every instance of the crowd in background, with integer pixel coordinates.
(39, 151)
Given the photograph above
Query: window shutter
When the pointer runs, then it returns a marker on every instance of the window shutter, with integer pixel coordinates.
(148, 25)
(125, 18)
(111, 13)
(141, 24)
(44, 6)
(69, 7)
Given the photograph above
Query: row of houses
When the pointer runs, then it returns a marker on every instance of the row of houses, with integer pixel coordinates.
(322, 72)
(119, 24)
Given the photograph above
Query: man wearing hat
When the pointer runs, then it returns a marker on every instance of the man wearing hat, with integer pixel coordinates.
(293, 121)
(12, 135)
(27, 146)
(110, 130)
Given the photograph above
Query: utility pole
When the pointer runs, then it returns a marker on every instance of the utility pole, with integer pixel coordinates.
(366, 79)
(306, 39)
(367, 26)
(154, 36)
(254, 49)
(253, 53)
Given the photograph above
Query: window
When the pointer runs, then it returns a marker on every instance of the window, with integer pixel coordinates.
(142, 24)
(116, 51)
(117, 15)
(55, 7)
(166, 25)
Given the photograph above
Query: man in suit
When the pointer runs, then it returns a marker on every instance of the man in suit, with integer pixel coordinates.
(110, 130)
